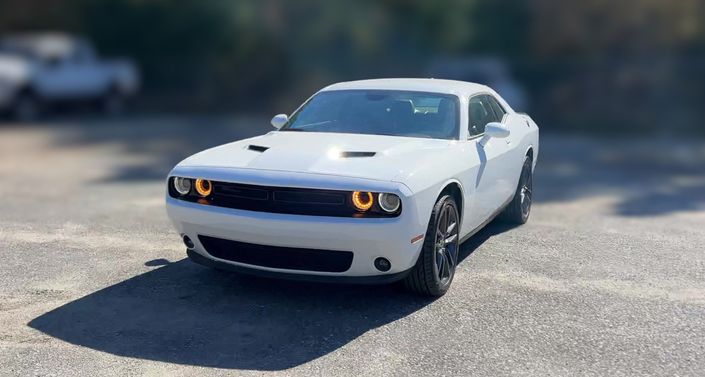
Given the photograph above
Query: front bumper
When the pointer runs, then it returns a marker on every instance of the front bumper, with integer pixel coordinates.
(372, 279)
(366, 238)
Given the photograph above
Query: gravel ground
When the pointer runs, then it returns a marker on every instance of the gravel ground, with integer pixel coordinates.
(607, 278)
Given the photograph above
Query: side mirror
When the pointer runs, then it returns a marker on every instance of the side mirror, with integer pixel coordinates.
(279, 120)
(496, 130)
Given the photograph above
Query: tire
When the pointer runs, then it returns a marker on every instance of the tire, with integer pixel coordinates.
(26, 107)
(435, 268)
(519, 209)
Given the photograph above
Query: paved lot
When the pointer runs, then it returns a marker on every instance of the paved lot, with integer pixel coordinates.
(607, 278)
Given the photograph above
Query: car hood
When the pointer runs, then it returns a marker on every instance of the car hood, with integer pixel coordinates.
(13, 68)
(387, 158)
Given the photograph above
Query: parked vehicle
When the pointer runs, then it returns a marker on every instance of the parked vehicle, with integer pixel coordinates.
(368, 181)
(37, 70)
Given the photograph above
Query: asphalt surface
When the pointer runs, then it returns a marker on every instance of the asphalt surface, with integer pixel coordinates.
(607, 278)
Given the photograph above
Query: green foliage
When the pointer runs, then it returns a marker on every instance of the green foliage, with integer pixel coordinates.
(601, 60)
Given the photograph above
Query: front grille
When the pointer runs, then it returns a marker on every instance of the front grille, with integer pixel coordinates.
(280, 199)
(287, 200)
(289, 258)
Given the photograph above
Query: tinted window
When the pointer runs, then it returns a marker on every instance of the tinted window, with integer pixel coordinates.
(498, 110)
(479, 113)
(379, 112)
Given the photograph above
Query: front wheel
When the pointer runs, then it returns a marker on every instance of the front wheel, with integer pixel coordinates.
(435, 267)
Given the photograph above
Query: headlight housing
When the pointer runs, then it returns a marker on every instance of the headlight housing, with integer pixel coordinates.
(362, 200)
(375, 203)
(389, 202)
(182, 185)
(196, 187)
(203, 187)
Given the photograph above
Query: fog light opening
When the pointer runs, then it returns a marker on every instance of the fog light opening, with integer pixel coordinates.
(383, 264)
(187, 241)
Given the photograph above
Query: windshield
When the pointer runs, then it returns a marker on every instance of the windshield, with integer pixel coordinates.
(379, 112)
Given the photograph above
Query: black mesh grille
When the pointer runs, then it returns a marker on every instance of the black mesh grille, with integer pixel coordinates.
(280, 199)
(289, 258)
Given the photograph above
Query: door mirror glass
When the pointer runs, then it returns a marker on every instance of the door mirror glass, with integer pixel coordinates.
(279, 120)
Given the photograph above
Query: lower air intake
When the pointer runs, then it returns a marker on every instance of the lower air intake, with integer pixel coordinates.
(289, 258)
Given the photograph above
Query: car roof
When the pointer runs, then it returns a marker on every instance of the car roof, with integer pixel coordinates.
(460, 88)
(41, 43)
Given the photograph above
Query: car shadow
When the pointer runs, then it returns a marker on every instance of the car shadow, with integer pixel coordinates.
(187, 314)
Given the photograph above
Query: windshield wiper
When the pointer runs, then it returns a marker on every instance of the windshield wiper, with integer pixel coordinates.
(294, 129)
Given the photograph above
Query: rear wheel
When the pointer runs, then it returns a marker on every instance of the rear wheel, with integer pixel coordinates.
(518, 210)
(435, 267)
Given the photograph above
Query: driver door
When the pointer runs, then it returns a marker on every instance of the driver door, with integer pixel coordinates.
(493, 186)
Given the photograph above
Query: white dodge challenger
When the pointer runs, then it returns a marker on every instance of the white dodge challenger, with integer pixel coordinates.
(368, 181)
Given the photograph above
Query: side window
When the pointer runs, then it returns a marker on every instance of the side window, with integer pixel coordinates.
(498, 109)
(479, 114)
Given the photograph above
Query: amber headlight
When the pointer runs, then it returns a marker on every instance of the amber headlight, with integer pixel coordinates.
(362, 200)
(203, 187)
(182, 185)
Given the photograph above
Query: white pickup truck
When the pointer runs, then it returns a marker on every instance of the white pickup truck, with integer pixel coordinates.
(37, 70)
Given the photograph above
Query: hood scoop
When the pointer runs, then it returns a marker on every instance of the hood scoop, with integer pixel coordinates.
(352, 154)
(257, 148)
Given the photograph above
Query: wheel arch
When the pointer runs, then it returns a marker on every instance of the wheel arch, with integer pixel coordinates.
(454, 188)
(530, 153)
(419, 277)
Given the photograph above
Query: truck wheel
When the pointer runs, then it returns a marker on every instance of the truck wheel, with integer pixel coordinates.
(518, 210)
(26, 107)
(435, 267)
